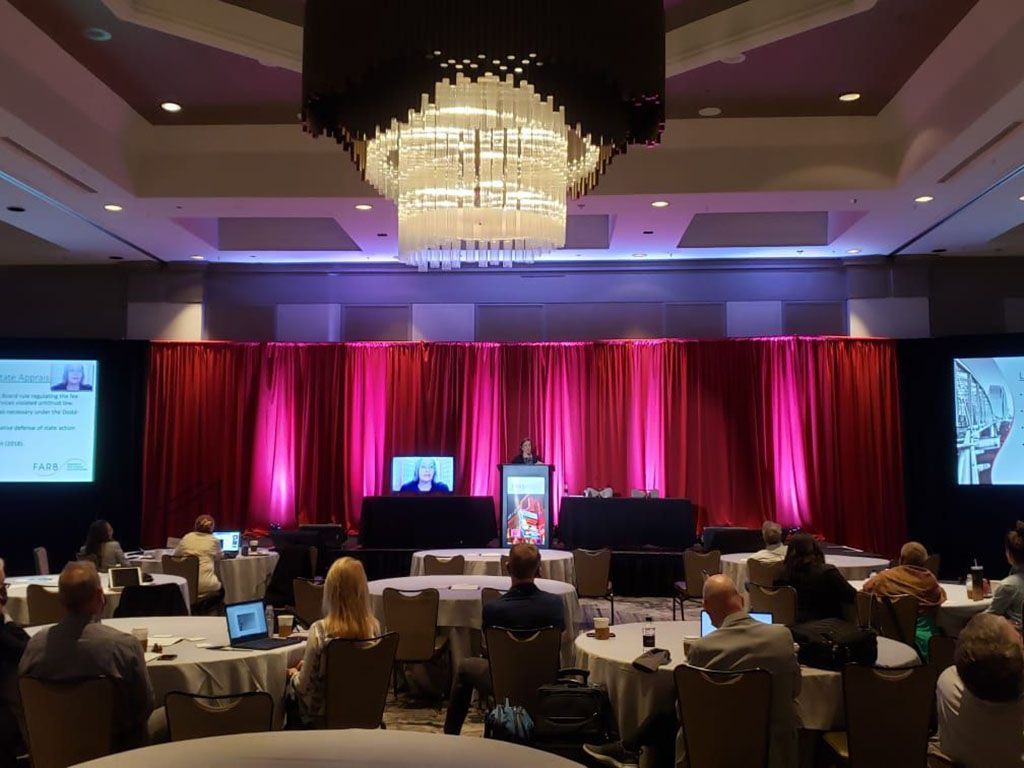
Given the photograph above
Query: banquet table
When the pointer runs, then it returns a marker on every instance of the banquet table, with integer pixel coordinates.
(958, 609)
(244, 577)
(209, 671)
(635, 694)
(349, 748)
(459, 608)
(17, 593)
(852, 567)
(555, 564)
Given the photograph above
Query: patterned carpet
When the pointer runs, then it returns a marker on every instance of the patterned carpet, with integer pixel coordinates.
(411, 714)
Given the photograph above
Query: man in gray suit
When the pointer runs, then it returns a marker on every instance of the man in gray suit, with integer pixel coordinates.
(79, 646)
(738, 643)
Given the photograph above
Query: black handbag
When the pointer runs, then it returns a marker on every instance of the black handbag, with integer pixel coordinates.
(834, 643)
(571, 712)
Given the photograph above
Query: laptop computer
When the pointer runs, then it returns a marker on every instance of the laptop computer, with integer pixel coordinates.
(230, 542)
(125, 577)
(247, 628)
(706, 627)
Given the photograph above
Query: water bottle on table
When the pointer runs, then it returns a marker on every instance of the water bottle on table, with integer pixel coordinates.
(648, 632)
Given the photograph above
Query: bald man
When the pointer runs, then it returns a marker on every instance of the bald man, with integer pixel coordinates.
(79, 646)
(739, 642)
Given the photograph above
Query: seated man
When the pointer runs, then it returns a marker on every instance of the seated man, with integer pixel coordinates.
(524, 606)
(774, 550)
(910, 577)
(980, 700)
(79, 646)
(739, 642)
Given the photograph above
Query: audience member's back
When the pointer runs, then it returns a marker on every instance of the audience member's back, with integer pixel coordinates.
(525, 606)
(821, 590)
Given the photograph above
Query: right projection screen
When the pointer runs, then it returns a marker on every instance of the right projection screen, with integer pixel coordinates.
(989, 395)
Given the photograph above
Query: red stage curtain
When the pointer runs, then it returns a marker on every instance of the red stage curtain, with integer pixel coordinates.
(802, 430)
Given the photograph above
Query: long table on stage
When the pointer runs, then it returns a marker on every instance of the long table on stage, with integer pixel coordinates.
(647, 537)
(427, 522)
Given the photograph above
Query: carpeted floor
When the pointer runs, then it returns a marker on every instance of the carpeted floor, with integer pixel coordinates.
(410, 714)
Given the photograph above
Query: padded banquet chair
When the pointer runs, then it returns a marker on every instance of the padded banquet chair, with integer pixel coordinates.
(711, 739)
(444, 566)
(888, 713)
(697, 566)
(44, 606)
(42, 561)
(780, 603)
(358, 672)
(521, 662)
(763, 574)
(413, 615)
(81, 711)
(593, 575)
(190, 716)
(185, 566)
(892, 617)
(151, 600)
(309, 601)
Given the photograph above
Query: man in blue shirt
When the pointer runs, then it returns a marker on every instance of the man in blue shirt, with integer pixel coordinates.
(523, 607)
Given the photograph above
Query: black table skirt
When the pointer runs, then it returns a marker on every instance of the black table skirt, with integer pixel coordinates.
(627, 523)
(427, 522)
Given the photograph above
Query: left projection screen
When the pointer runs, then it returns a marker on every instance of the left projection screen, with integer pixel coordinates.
(48, 420)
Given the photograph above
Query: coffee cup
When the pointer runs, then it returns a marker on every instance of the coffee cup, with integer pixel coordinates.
(688, 640)
(142, 635)
(285, 623)
(601, 630)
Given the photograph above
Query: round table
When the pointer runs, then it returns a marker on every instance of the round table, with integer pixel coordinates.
(636, 694)
(355, 748)
(735, 567)
(459, 607)
(953, 615)
(206, 670)
(17, 593)
(244, 577)
(555, 564)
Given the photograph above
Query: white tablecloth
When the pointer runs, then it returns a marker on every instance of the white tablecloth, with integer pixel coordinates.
(554, 564)
(351, 748)
(243, 578)
(460, 609)
(735, 567)
(17, 593)
(958, 609)
(205, 670)
(636, 694)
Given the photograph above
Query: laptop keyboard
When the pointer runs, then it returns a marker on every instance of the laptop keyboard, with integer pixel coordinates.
(268, 643)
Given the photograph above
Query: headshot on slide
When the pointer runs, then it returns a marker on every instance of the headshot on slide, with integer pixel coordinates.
(71, 377)
(425, 478)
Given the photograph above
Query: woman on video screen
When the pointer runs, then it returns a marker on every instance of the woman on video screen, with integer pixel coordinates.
(424, 481)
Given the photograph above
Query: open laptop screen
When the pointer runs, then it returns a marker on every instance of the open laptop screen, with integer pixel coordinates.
(230, 541)
(706, 627)
(246, 621)
(125, 577)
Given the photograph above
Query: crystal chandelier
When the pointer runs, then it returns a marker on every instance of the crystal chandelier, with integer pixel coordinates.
(479, 118)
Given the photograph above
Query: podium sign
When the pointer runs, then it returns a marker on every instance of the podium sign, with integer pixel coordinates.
(525, 504)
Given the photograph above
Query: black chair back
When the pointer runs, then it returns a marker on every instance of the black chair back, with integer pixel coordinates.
(294, 563)
(151, 600)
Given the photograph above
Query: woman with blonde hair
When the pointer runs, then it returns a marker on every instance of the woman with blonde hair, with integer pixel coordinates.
(346, 615)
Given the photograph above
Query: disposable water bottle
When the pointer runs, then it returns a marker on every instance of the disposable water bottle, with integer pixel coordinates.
(648, 632)
(270, 619)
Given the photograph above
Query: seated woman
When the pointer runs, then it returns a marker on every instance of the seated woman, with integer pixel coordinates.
(1008, 600)
(821, 590)
(347, 615)
(424, 481)
(100, 548)
(204, 545)
(910, 577)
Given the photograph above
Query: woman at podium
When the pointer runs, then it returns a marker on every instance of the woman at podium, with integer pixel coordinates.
(526, 454)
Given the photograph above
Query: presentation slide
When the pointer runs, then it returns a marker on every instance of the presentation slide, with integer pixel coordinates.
(422, 474)
(47, 420)
(989, 433)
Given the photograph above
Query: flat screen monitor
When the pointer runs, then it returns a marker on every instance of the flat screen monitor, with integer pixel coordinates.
(230, 541)
(706, 627)
(988, 393)
(422, 474)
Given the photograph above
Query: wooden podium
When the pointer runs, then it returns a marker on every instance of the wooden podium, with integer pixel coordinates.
(526, 497)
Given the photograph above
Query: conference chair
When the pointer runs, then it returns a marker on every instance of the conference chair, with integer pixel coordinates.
(42, 561)
(697, 566)
(295, 562)
(309, 601)
(888, 712)
(892, 617)
(762, 573)
(444, 566)
(151, 600)
(779, 602)
(521, 662)
(187, 567)
(191, 716)
(705, 696)
(478, 643)
(44, 606)
(80, 711)
(358, 673)
(503, 565)
(933, 562)
(940, 652)
(172, 542)
(594, 576)
(413, 615)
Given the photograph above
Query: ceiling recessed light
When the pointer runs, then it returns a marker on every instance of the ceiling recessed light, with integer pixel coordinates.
(853, 251)
(1021, 198)
(739, 58)
(648, 231)
(171, 106)
(15, 209)
(197, 257)
(923, 199)
(97, 34)
(113, 208)
(939, 250)
(639, 255)
(850, 97)
(364, 207)
(382, 234)
(709, 111)
(116, 258)
(660, 204)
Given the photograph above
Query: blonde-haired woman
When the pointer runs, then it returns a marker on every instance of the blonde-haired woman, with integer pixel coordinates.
(346, 615)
